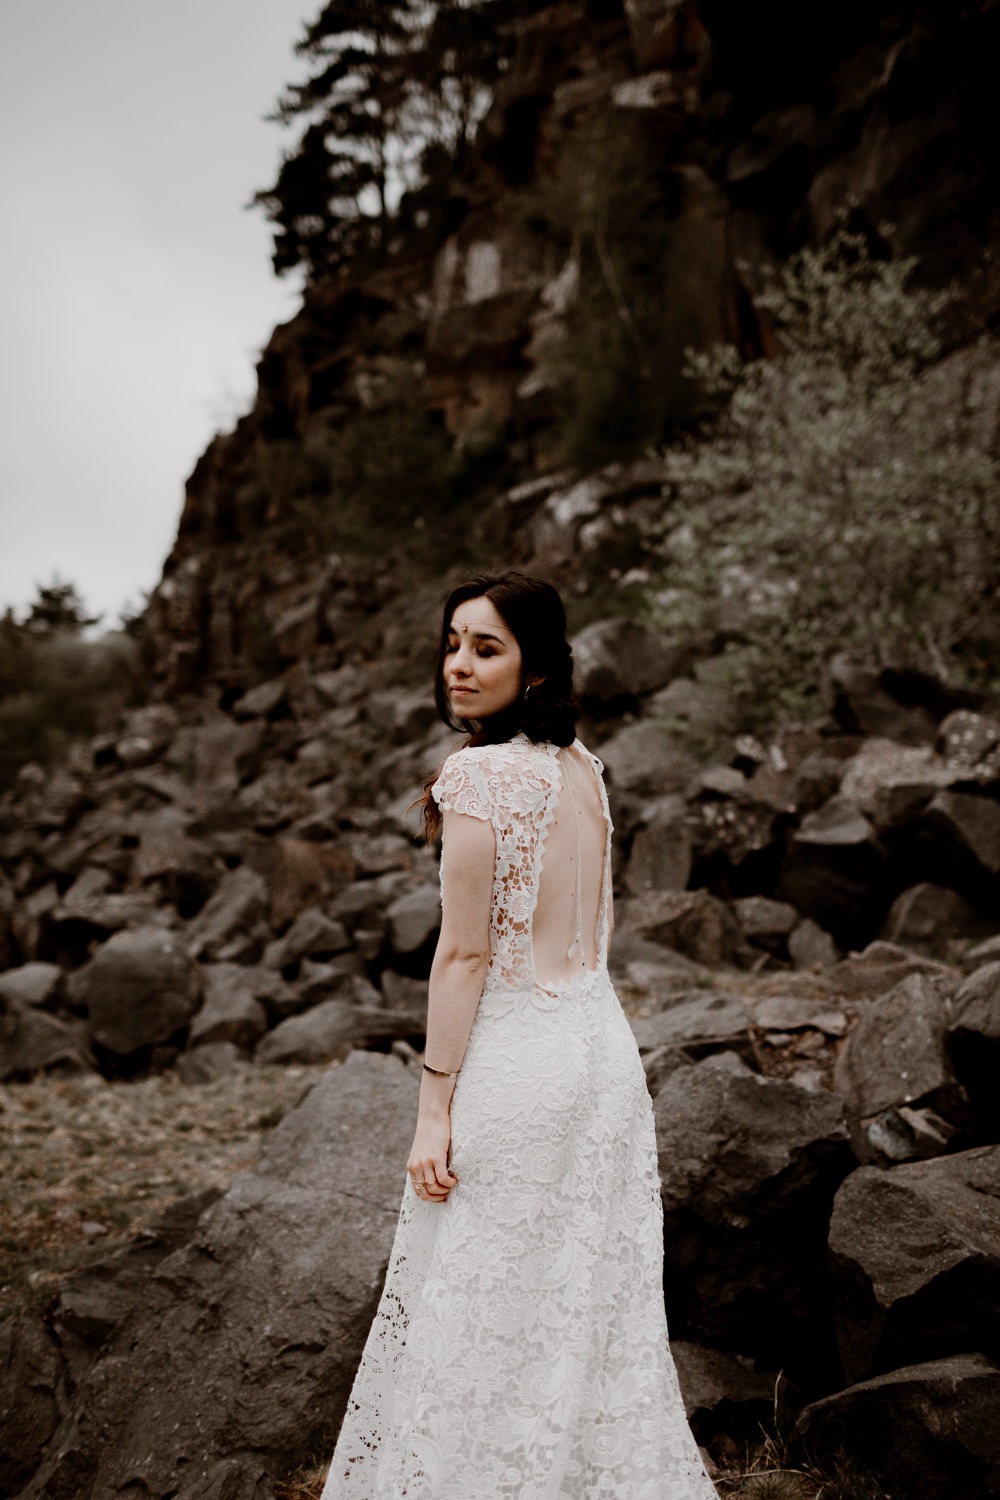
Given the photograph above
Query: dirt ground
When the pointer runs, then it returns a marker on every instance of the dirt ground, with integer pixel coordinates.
(84, 1163)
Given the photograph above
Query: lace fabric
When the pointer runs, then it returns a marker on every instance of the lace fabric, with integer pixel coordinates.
(520, 1351)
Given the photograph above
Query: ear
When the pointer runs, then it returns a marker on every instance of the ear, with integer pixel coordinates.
(535, 681)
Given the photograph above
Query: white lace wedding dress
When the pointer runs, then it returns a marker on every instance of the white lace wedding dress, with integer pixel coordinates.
(520, 1347)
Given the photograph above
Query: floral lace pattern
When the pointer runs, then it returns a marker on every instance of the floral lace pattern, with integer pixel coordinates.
(520, 1350)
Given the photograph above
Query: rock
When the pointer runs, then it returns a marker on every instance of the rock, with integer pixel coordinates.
(766, 924)
(229, 1012)
(701, 710)
(312, 935)
(797, 1013)
(230, 926)
(698, 1022)
(930, 1430)
(146, 734)
(296, 631)
(880, 968)
(916, 1256)
(660, 856)
(617, 661)
(872, 700)
(414, 918)
(982, 954)
(969, 743)
(931, 918)
(211, 1061)
(329, 1031)
(33, 985)
(223, 754)
(891, 783)
(898, 1054)
(265, 701)
(30, 1396)
(139, 989)
(245, 1344)
(829, 870)
(377, 854)
(971, 826)
(645, 759)
(975, 1046)
(32, 1041)
(693, 922)
(29, 918)
(907, 1134)
(721, 1392)
(748, 1170)
(809, 947)
(229, 1479)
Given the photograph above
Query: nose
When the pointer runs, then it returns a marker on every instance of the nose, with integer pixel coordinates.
(461, 662)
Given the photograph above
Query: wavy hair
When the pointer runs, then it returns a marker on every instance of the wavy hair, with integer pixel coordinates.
(533, 612)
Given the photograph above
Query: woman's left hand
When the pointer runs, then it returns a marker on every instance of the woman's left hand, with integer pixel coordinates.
(427, 1165)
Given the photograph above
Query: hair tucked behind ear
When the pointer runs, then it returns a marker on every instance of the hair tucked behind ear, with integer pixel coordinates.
(533, 611)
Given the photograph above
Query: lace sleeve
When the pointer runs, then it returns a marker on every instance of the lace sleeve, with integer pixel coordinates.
(461, 788)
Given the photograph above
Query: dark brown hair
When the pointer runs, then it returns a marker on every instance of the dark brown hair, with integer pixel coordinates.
(533, 612)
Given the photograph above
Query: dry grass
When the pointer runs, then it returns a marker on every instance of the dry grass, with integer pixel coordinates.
(85, 1164)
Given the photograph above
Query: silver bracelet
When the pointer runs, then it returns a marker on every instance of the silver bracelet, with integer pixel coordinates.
(438, 1074)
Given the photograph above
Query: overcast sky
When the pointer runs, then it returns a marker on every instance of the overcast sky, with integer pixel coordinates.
(135, 289)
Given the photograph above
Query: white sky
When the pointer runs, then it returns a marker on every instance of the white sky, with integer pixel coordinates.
(135, 289)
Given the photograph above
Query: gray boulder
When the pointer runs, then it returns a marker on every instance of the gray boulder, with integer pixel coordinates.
(139, 989)
(33, 985)
(30, 1398)
(660, 857)
(969, 743)
(767, 924)
(830, 866)
(699, 1022)
(692, 922)
(968, 826)
(898, 1054)
(231, 925)
(975, 1046)
(748, 1170)
(916, 1256)
(810, 947)
(229, 1012)
(414, 918)
(330, 1030)
(721, 1392)
(312, 935)
(31, 1041)
(645, 759)
(872, 700)
(930, 1430)
(238, 1358)
(616, 661)
(932, 918)
(881, 966)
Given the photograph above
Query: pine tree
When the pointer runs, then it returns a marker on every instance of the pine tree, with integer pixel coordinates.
(397, 90)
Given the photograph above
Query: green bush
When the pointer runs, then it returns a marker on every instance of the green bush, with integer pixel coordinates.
(58, 687)
(845, 495)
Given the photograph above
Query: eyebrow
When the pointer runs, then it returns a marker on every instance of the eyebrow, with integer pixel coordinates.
(477, 635)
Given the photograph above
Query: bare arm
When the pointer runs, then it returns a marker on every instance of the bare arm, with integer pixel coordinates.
(457, 976)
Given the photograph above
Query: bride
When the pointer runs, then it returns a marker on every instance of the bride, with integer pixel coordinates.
(520, 1346)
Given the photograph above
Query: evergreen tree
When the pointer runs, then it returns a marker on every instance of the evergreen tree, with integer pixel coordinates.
(396, 92)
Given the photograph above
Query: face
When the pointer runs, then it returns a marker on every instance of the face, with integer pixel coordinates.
(483, 670)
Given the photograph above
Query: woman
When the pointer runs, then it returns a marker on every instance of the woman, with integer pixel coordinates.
(520, 1347)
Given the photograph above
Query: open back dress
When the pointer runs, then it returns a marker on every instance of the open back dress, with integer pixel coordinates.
(519, 1351)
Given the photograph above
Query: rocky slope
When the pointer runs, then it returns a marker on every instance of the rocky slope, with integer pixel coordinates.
(808, 935)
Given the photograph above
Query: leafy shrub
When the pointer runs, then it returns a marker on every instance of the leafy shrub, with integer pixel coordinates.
(845, 496)
(57, 687)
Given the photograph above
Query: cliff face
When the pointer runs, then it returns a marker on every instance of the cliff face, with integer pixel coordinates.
(757, 125)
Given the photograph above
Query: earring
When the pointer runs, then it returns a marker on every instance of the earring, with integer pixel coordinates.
(527, 690)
